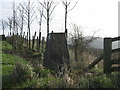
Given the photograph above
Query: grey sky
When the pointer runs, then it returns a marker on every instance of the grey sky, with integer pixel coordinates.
(92, 14)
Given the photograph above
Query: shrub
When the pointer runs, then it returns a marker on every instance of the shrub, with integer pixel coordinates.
(54, 82)
(83, 82)
(101, 81)
(34, 83)
(115, 78)
(6, 81)
(42, 72)
(96, 71)
(6, 46)
(47, 82)
(22, 73)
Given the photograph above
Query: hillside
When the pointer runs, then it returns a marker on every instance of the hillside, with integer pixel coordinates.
(19, 72)
(98, 43)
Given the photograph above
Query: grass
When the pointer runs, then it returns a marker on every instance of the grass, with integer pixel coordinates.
(8, 66)
(9, 60)
(5, 45)
(8, 63)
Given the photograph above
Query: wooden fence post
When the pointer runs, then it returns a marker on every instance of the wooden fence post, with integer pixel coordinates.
(37, 47)
(13, 41)
(10, 33)
(27, 39)
(42, 49)
(33, 42)
(107, 55)
(23, 38)
(39, 41)
(16, 40)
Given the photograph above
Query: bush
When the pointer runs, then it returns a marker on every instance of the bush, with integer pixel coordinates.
(101, 81)
(54, 82)
(6, 46)
(22, 73)
(115, 78)
(42, 72)
(96, 71)
(34, 83)
(47, 82)
(83, 82)
(6, 81)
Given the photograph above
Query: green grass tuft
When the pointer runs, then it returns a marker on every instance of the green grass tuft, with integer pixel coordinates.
(5, 45)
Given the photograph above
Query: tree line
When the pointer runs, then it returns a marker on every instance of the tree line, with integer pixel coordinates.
(24, 14)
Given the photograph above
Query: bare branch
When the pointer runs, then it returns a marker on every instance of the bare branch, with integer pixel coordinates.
(50, 3)
(41, 15)
(49, 7)
(9, 23)
(23, 7)
(53, 8)
(44, 16)
(63, 3)
(33, 14)
(73, 7)
(32, 9)
(25, 17)
(32, 20)
(32, 4)
(40, 11)
(68, 3)
(4, 25)
(43, 5)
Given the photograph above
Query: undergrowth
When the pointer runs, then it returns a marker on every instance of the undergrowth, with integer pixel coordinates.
(20, 73)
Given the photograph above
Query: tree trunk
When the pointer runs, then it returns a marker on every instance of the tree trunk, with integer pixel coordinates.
(10, 31)
(3, 31)
(29, 23)
(66, 20)
(39, 41)
(47, 23)
(29, 34)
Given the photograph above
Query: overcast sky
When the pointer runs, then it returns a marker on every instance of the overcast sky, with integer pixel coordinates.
(93, 15)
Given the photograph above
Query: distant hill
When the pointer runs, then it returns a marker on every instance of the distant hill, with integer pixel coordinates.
(98, 43)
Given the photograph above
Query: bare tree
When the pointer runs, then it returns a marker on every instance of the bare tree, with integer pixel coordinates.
(39, 20)
(29, 13)
(66, 4)
(79, 42)
(49, 6)
(9, 23)
(14, 20)
(21, 20)
(41, 11)
(76, 39)
(14, 12)
(3, 25)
